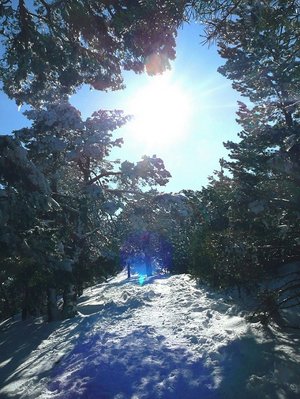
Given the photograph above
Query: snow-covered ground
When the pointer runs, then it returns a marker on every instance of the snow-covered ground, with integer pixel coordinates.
(167, 338)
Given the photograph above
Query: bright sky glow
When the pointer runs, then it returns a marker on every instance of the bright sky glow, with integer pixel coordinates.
(161, 111)
(182, 116)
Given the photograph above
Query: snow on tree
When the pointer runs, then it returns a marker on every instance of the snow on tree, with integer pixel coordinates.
(87, 188)
(53, 47)
(257, 226)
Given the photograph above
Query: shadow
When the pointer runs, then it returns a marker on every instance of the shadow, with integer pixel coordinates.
(17, 341)
(133, 280)
(257, 370)
(22, 337)
(94, 357)
(111, 308)
(24, 346)
(107, 366)
(144, 365)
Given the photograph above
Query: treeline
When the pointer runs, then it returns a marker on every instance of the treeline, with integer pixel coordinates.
(60, 190)
(71, 216)
(248, 215)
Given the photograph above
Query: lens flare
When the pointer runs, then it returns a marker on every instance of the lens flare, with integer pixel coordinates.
(142, 279)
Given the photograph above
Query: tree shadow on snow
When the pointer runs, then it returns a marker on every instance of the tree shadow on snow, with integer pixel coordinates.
(144, 365)
(135, 279)
(256, 370)
(107, 366)
(22, 349)
(20, 338)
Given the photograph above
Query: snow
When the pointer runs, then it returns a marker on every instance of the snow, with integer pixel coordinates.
(167, 338)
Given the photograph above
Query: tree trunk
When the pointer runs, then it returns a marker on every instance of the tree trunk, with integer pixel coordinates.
(9, 308)
(25, 311)
(25, 305)
(128, 270)
(70, 302)
(148, 265)
(53, 312)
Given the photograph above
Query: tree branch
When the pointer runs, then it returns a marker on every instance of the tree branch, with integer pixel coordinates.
(103, 174)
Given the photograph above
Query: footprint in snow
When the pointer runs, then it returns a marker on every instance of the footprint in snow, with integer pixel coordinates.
(149, 295)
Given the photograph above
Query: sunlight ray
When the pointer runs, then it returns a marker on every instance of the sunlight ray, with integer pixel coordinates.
(161, 111)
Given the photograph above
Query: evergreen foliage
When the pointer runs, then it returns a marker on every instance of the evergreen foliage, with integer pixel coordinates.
(253, 225)
(60, 193)
(155, 228)
(70, 215)
(53, 47)
(71, 238)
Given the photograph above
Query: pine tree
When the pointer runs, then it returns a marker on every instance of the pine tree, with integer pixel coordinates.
(49, 50)
(87, 188)
(53, 47)
(260, 43)
(261, 49)
(24, 240)
(152, 231)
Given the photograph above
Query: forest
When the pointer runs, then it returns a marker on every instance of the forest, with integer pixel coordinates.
(71, 216)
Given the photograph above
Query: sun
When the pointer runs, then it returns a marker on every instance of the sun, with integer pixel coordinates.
(161, 111)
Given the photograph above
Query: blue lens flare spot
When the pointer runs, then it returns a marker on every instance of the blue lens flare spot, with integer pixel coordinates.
(141, 279)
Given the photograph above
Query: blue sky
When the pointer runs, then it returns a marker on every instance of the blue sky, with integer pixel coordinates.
(192, 156)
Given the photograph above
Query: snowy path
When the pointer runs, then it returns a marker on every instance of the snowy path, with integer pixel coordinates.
(165, 339)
